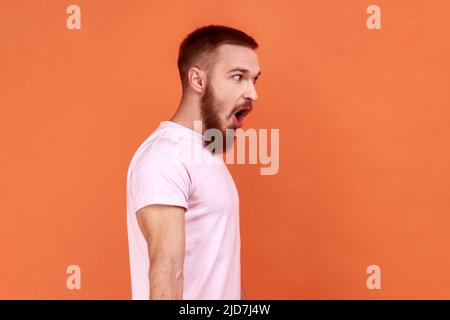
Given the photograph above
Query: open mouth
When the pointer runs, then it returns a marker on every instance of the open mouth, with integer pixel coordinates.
(243, 112)
(239, 116)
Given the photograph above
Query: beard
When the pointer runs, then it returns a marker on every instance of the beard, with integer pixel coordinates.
(210, 110)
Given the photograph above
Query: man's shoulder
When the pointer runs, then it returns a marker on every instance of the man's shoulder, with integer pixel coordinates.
(167, 142)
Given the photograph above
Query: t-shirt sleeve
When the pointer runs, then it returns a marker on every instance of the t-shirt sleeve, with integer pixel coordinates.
(159, 178)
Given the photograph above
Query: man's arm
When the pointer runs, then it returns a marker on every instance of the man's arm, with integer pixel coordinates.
(163, 228)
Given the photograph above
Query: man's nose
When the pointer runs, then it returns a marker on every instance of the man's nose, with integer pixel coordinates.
(250, 92)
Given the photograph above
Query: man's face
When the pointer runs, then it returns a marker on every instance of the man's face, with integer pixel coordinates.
(230, 88)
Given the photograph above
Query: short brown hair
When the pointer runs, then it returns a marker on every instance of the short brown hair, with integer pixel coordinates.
(203, 42)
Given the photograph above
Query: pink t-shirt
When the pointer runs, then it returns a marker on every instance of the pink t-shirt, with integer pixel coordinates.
(173, 167)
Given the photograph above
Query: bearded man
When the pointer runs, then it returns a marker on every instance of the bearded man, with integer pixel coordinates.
(183, 216)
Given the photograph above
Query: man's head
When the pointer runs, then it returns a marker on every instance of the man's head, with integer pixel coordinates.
(220, 66)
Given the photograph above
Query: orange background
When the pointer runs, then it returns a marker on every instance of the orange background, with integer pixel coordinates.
(364, 143)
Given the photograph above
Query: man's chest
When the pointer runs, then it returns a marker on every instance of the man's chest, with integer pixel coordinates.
(213, 189)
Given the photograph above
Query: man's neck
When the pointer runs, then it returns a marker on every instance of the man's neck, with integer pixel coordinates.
(187, 113)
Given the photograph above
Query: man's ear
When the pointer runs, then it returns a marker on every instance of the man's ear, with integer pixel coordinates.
(197, 79)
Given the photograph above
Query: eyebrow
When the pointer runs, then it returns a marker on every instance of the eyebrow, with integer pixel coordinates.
(244, 71)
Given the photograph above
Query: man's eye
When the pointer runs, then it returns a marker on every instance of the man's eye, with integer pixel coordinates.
(237, 77)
